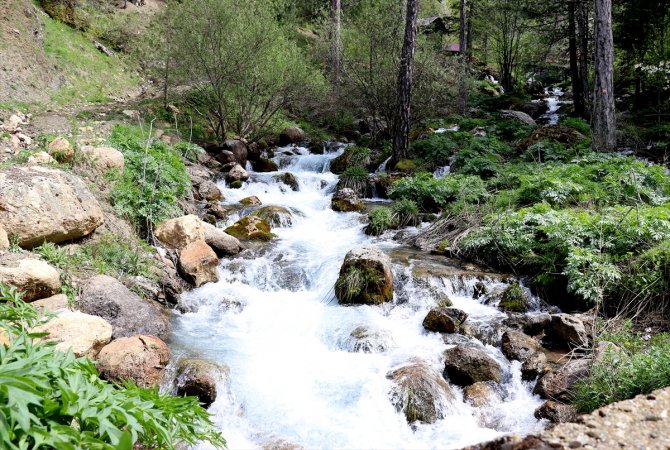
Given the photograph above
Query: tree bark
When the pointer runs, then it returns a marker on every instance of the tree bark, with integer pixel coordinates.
(583, 30)
(461, 41)
(336, 40)
(468, 40)
(577, 93)
(402, 122)
(604, 120)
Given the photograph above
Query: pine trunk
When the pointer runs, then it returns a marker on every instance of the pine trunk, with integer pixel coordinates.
(583, 30)
(336, 40)
(402, 122)
(574, 61)
(604, 120)
(461, 41)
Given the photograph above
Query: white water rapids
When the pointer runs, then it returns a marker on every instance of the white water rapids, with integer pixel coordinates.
(294, 373)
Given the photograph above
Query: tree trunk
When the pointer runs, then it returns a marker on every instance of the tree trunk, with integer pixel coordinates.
(604, 120)
(583, 30)
(468, 40)
(577, 94)
(402, 122)
(336, 40)
(461, 41)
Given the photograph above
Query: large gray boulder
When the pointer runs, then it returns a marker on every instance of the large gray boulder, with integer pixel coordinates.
(468, 365)
(129, 315)
(420, 392)
(141, 359)
(222, 243)
(568, 330)
(40, 204)
(291, 135)
(365, 277)
(558, 384)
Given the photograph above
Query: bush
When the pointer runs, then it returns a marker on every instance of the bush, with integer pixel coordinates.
(52, 400)
(432, 194)
(353, 156)
(153, 182)
(511, 130)
(435, 150)
(406, 212)
(639, 366)
(482, 157)
(381, 219)
(355, 178)
(189, 150)
(549, 151)
(578, 124)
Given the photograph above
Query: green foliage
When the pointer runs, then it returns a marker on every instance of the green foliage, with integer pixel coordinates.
(54, 400)
(432, 194)
(511, 130)
(381, 219)
(639, 366)
(355, 282)
(549, 151)
(353, 156)
(405, 212)
(355, 178)
(153, 182)
(578, 124)
(514, 299)
(436, 149)
(188, 150)
(482, 157)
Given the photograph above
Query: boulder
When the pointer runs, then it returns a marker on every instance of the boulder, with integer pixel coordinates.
(514, 299)
(557, 384)
(444, 320)
(198, 262)
(420, 392)
(265, 165)
(34, 277)
(225, 157)
(518, 115)
(468, 365)
(251, 228)
(61, 150)
(276, 216)
(289, 180)
(291, 135)
(56, 303)
(346, 200)
(235, 172)
(40, 204)
(222, 243)
(251, 201)
(4, 239)
(238, 149)
(180, 232)
(482, 393)
(129, 315)
(41, 158)
(199, 378)
(365, 278)
(556, 412)
(141, 359)
(84, 334)
(209, 191)
(366, 340)
(531, 324)
(104, 158)
(568, 330)
(534, 366)
(516, 345)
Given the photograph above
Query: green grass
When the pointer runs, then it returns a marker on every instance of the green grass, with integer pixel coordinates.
(92, 76)
(639, 366)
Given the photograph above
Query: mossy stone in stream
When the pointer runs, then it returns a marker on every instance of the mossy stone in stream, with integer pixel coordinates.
(235, 184)
(251, 228)
(365, 278)
(251, 201)
(277, 216)
(514, 299)
(289, 180)
(405, 165)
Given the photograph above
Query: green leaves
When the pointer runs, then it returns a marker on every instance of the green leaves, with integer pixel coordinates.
(53, 400)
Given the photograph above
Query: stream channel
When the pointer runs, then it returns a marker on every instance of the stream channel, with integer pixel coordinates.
(306, 372)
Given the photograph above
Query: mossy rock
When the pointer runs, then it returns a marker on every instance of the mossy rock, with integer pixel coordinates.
(251, 201)
(264, 165)
(289, 180)
(365, 278)
(405, 165)
(237, 184)
(251, 228)
(514, 299)
(276, 216)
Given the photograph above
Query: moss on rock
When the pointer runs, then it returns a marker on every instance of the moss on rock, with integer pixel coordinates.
(251, 228)
(514, 299)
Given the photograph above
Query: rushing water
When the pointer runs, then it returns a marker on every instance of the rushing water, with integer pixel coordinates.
(295, 373)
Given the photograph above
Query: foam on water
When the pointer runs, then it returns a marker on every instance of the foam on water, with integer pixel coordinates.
(273, 319)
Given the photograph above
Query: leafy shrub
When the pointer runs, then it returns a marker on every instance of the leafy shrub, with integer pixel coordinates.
(432, 194)
(153, 182)
(189, 150)
(53, 400)
(406, 212)
(639, 366)
(548, 151)
(381, 219)
(511, 130)
(352, 157)
(355, 178)
(436, 149)
(482, 157)
(578, 124)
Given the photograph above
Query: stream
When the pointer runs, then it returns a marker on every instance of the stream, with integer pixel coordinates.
(300, 372)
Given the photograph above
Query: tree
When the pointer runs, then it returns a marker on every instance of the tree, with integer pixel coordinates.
(401, 134)
(336, 40)
(240, 63)
(604, 121)
(575, 74)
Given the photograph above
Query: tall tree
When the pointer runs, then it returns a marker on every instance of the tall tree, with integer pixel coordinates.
(583, 53)
(604, 120)
(402, 122)
(336, 40)
(468, 39)
(462, 30)
(575, 73)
